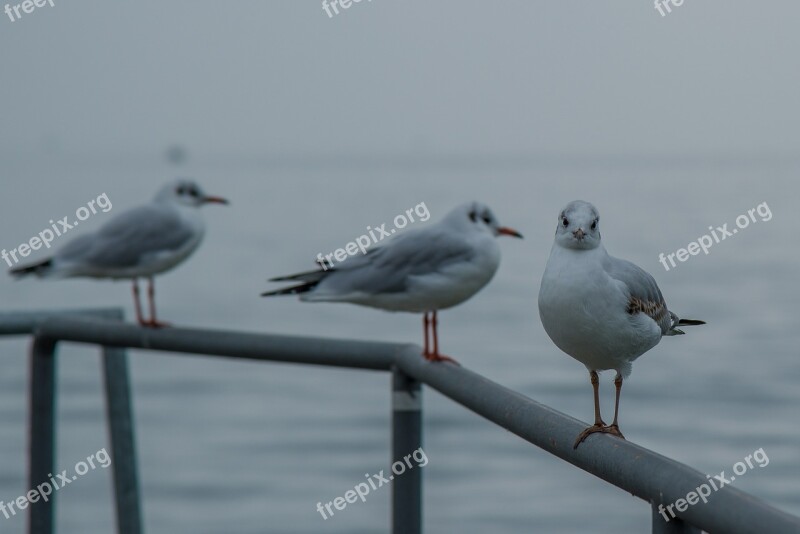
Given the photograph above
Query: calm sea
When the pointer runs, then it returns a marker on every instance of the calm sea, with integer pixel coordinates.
(231, 446)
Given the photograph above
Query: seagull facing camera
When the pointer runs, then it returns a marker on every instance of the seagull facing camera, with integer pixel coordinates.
(603, 311)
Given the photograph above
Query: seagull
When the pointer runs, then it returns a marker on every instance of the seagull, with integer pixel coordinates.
(419, 271)
(141, 242)
(603, 311)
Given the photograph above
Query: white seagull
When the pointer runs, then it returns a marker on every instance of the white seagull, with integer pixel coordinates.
(419, 271)
(603, 311)
(141, 242)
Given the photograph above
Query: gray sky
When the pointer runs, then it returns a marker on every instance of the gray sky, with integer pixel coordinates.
(392, 76)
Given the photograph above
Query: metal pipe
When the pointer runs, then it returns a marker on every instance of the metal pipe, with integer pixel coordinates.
(289, 349)
(119, 414)
(645, 474)
(673, 526)
(21, 323)
(406, 438)
(637, 470)
(42, 430)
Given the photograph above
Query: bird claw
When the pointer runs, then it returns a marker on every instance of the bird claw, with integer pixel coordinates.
(440, 358)
(152, 323)
(598, 427)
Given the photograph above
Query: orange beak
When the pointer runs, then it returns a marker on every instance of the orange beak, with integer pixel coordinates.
(214, 200)
(505, 230)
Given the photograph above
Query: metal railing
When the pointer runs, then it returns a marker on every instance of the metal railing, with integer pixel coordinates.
(641, 472)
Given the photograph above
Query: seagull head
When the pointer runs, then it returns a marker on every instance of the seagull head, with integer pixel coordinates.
(578, 226)
(186, 193)
(477, 217)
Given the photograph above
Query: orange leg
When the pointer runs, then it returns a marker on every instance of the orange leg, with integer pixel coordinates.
(151, 295)
(137, 304)
(425, 323)
(435, 356)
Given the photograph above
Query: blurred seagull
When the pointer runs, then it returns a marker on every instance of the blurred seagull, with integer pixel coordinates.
(141, 242)
(603, 311)
(419, 271)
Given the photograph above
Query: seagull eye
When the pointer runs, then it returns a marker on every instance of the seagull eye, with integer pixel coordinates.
(473, 216)
(179, 190)
(594, 224)
(487, 219)
(565, 221)
(193, 192)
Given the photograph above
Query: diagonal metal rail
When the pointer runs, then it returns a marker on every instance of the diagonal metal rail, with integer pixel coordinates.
(652, 477)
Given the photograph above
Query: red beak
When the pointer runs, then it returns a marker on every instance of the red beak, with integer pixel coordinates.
(214, 200)
(505, 230)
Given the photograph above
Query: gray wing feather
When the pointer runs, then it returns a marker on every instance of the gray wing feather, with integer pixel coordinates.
(644, 294)
(390, 268)
(128, 238)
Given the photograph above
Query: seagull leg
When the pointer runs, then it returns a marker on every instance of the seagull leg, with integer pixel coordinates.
(151, 294)
(614, 428)
(435, 356)
(137, 304)
(599, 425)
(425, 323)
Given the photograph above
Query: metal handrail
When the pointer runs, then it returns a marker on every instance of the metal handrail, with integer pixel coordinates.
(639, 471)
(119, 414)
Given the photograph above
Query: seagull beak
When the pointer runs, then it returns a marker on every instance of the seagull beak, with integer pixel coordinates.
(505, 230)
(579, 234)
(214, 200)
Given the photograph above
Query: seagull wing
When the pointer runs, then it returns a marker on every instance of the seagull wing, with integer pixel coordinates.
(130, 238)
(644, 296)
(392, 267)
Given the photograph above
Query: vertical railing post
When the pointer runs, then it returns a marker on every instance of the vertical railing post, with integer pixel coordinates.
(406, 438)
(673, 526)
(119, 414)
(42, 432)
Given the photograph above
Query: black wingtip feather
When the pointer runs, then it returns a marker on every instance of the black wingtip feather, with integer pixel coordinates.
(306, 276)
(36, 268)
(294, 290)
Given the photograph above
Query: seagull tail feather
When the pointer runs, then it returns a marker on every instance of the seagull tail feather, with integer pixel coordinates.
(293, 290)
(39, 269)
(308, 281)
(677, 321)
(689, 322)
